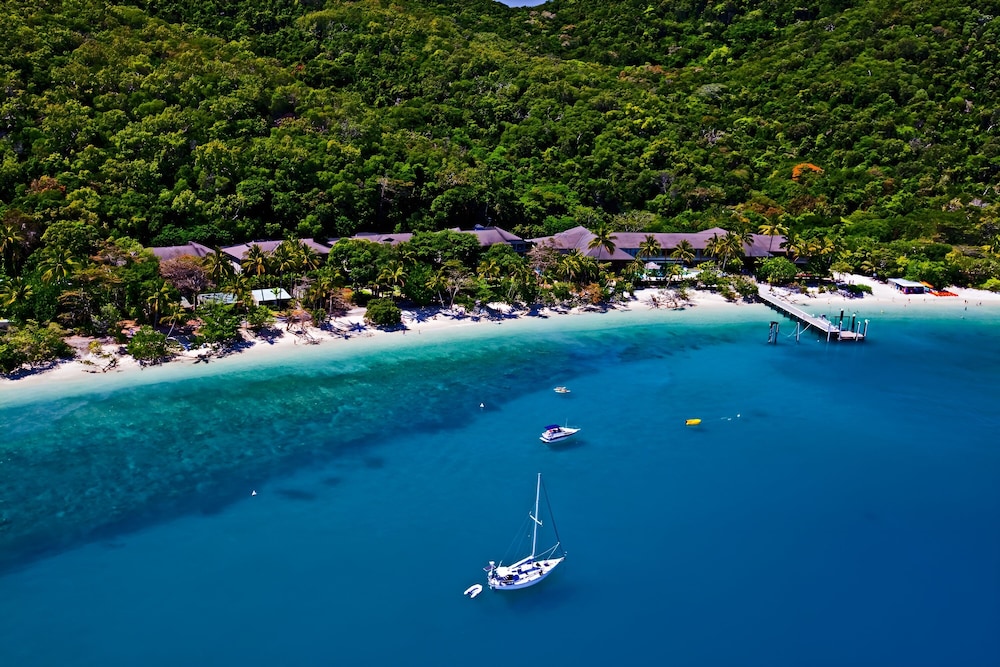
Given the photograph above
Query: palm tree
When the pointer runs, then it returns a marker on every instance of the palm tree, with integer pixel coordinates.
(256, 260)
(490, 271)
(672, 272)
(636, 268)
(521, 279)
(15, 291)
(734, 245)
(407, 254)
(715, 248)
(649, 247)
(684, 252)
(158, 301)
(11, 245)
(286, 262)
(173, 313)
(326, 289)
(826, 246)
(394, 275)
(241, 290)
(58, 268)
(604, 240)
(796, 246)
(570, 266)
(437, 282)
(772, 229)
(590, 269)
(309, 259)
(219, 266)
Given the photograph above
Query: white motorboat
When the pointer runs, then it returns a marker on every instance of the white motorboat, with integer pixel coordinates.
(561, 390)
(534, 567)
(473, 590)
(555, 432)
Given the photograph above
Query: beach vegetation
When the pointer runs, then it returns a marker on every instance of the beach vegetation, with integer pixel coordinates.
(260, 317)
(418, 288)
(561, 292)
(856, 289)
(148, 346)
(33, 345)
(383, 313)
(993, 285)
(219, 325)
(777, 270)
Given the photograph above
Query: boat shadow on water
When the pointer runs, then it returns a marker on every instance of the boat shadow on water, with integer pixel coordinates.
(549, 595)
(565, 444)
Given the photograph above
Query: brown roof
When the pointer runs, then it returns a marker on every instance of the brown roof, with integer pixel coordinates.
(174, 251)
(391, 239)
(491, 235)
(239, 252)
(579, 237)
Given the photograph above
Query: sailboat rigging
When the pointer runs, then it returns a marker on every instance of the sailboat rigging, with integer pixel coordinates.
(535, 566)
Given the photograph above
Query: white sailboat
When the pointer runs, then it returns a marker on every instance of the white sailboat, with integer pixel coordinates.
(535, 566)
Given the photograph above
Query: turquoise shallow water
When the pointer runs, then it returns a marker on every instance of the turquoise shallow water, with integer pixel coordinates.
(838, 505)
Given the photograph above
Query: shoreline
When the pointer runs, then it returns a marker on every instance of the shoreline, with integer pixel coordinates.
(90, 371)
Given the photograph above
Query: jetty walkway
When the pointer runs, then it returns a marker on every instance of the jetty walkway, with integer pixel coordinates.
(832, 330)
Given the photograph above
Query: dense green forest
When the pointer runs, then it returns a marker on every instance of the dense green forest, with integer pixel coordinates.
(867, 129)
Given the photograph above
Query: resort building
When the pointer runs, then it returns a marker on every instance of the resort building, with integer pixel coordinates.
(174, 251)
(579, 238)
(216, 297)
(907, 286)
(391, 239)
(487, 236)
(628, 245)
(239, 252)
(270, 296)
(490, 236)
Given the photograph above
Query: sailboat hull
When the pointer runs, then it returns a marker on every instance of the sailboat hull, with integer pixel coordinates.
(521, 575)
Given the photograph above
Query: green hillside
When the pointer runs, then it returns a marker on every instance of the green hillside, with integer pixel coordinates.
(867, 130)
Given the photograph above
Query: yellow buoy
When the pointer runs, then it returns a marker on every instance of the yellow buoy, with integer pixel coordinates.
(692, 422)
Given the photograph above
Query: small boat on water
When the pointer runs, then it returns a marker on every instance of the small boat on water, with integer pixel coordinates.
(555, 432)
(473, 590)
(537, 565)
(692, 422)
(561, 390)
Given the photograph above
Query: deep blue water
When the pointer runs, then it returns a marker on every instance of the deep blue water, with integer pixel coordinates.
(839, 504)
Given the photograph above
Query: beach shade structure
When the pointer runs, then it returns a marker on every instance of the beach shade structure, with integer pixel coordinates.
(216, 297)
(270, 296)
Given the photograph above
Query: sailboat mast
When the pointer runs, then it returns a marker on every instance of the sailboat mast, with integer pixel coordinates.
(534, 530)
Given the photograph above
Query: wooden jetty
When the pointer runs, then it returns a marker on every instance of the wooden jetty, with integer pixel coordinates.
(856, 331)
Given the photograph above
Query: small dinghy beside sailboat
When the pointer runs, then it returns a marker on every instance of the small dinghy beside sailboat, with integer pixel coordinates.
(534, 567)
(473, 590)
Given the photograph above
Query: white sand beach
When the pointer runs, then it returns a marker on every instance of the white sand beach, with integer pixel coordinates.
(111, 361)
